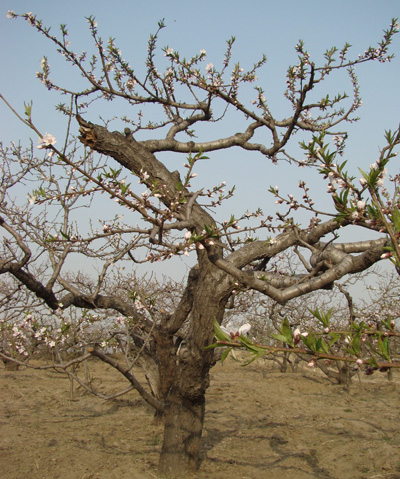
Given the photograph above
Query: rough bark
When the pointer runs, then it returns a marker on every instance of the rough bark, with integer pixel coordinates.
(184, 371)
(183, 425)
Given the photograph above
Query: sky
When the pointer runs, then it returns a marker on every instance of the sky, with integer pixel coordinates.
(260, 26)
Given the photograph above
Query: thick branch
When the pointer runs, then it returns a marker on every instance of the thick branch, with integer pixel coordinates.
(138, 159)
(28, 280)
(76, 298)
(347, 265)
(176, 320)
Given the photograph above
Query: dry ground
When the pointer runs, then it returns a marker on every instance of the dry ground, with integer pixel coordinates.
(260, 424)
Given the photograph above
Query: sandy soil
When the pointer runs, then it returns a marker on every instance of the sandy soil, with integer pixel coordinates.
(260, 423)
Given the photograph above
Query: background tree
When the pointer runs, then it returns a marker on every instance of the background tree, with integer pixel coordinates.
(168, 109)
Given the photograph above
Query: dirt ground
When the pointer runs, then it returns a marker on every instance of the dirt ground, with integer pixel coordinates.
(260, 424)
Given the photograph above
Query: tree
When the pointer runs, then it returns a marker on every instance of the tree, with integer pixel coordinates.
(170, 219)
(341, 345)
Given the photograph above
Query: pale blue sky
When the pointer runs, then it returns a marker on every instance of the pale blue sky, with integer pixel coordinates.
(267, 26)
(259, 26)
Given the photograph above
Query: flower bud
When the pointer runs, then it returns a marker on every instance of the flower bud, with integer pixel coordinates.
(312, 363)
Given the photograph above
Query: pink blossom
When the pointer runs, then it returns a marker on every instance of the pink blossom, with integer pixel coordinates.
(46, 140)
(312, 363)
(144, 174)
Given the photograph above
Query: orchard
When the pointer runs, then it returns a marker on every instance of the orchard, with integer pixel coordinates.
(107, 196)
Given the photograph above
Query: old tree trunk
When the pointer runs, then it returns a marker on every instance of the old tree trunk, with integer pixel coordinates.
(184, 372)
(181, 335)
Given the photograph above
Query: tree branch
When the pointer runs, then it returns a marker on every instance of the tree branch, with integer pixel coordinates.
(130, 377)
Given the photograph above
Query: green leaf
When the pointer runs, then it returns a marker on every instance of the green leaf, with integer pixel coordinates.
(396, 219)
(384, 347)
(285, 328)
(246, 343)
(286, 331)
(310, 342)
(373, 362)
(254, 357)
(66, 236)
(335, 337)
(322, 317)
(324, 346)
(280, 337)
(50, 238)
(124, 187)
(388, 322)
(28, 110)
(219, 333)
(225, 354)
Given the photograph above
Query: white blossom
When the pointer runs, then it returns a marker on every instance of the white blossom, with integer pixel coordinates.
(244, 328)
(46, 140)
